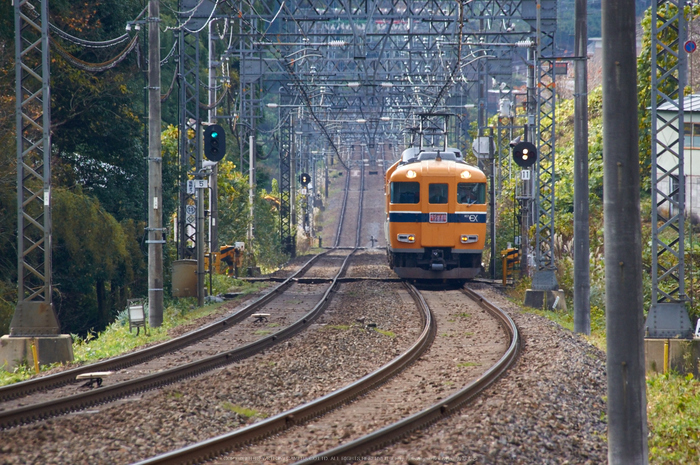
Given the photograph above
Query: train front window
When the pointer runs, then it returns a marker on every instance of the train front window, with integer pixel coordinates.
(471, 192)
(437, 193)
(405, 192)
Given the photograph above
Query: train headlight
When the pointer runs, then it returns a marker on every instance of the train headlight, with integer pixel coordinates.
(411, 174)
(469, 238)
(410, 238)
(465, 175)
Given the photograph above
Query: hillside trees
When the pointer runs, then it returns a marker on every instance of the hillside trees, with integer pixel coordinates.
(98, 169)
(96, 262)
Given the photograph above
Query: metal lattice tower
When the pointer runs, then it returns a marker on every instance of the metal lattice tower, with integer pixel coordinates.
(667, 315)
(34, 314)
(286, 148)
(541, 16)
(190, 142)
(545, 165)
(383, 62)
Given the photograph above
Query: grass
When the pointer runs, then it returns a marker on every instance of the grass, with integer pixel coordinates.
(673, 400)
(336, 327)
(244, 412)
(673, 415)
(116, 338)
(468, 364)
(385, 332)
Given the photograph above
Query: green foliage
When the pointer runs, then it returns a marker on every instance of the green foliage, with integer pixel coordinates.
(18, 373)
(116, 339)
(244, 412)
(97, 129)
(673, 412)
(96, 262)
(385, 332)
(234, 216)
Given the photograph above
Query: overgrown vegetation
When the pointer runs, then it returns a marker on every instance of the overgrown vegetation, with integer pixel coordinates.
(99, 170)
(673, 413)
(116, 338)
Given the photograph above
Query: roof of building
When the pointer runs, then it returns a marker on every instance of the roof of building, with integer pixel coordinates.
(690, 103)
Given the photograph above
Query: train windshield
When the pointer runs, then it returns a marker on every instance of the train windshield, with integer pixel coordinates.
(437, 193)
(471, 192)
(405, 192)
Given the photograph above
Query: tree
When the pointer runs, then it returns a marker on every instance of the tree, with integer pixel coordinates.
(96, 262)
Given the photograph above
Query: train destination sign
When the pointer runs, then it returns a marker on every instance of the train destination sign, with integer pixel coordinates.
(438, 218)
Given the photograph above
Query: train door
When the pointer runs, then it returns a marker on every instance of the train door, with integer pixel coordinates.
(435, 229)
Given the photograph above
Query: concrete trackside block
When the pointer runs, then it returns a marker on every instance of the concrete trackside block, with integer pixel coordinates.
(683, 355)
(550, 300)
(16, 350)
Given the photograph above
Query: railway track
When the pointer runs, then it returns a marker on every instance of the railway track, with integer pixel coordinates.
(438, 411)
(68, 376)
(215, 447)
(22, 414)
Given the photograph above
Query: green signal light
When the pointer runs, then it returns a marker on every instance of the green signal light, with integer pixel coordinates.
(215, 134)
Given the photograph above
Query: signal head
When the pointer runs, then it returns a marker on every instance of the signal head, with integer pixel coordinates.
(525, 154)
(214, 142)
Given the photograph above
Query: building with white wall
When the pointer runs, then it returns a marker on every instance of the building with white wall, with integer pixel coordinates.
(691, 151)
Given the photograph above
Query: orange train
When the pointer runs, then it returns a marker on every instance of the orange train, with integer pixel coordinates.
(435, 215)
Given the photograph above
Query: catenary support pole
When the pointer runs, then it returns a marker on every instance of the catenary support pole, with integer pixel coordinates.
(627, 423)
(582, 280)
(213, 178)
(155, 173)
(251, 199)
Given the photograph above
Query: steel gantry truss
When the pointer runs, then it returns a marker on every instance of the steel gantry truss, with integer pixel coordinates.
(286, 184)
(385, 61)
(544, 278)
(667, 315)
(190, 142)
(34, 315)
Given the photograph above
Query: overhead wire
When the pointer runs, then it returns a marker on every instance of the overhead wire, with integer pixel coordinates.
(89, 43)
(165, 96)
(94, 67)
(457, 62)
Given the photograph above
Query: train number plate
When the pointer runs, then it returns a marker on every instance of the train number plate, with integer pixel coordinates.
(438, 218)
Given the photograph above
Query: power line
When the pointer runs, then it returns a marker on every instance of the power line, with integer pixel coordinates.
(94, 67)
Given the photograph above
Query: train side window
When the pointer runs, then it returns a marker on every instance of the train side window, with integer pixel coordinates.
(405, 192)
(437, 193)
(471, 192)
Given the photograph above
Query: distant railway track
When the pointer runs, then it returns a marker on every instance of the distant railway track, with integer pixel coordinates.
(41, 410)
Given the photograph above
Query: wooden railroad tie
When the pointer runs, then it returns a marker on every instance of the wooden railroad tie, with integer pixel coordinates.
(95, 377)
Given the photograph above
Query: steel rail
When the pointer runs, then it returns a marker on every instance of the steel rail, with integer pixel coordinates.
(105, 394)
(220, 445)
(396, 431)
(24, 388)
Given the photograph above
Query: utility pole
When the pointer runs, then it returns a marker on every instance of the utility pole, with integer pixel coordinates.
(213, 185)
(251, 201)
(582, 280)
(624, 299)
(155, 172)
